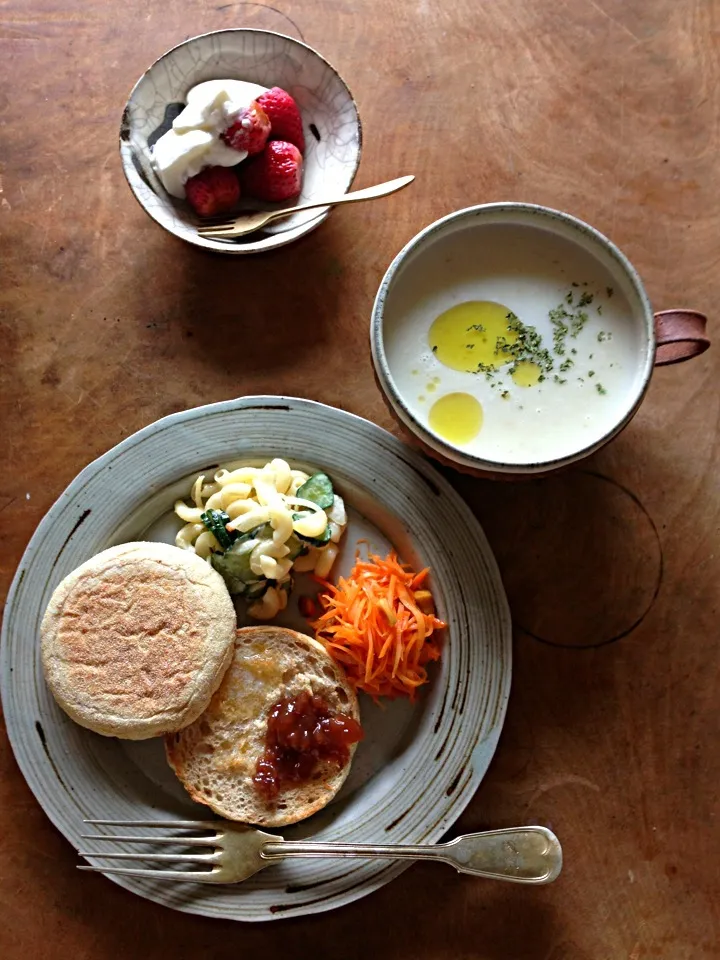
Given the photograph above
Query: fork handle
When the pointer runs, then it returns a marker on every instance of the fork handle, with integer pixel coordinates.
(522, 854)
(367, 193)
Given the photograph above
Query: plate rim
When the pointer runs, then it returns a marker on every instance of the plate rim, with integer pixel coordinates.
(15, 730)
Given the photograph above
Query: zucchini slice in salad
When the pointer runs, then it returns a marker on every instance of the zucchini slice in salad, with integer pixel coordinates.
(256, 589)
(234, 565)
(295, 546)
(215, 521)
(319, 490)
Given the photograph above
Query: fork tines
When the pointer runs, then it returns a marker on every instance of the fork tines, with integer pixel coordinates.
(217, 230)
(199, 859)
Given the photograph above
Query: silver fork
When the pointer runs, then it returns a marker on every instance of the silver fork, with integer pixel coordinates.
(246, 223)
(235, 852)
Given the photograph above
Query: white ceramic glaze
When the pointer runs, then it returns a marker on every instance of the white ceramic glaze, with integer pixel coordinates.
(330, 120)
(418, 767)
(527, 258)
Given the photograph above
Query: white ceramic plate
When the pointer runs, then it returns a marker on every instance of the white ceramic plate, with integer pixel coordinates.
(418, 766)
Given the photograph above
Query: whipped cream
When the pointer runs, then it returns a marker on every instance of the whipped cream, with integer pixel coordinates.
(194, 141)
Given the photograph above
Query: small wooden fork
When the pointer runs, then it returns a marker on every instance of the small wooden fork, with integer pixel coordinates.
(230, 852)
(250, 222)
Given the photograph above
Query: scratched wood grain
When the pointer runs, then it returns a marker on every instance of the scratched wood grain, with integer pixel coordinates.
(605, 108)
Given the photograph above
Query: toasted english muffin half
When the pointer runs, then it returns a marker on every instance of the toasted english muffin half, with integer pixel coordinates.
(216, 757)
(137, 639)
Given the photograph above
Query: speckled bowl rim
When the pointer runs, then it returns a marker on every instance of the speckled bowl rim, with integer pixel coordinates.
(436, 444)
(278, 239)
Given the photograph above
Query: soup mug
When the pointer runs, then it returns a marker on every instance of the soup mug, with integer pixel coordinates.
(564, 289)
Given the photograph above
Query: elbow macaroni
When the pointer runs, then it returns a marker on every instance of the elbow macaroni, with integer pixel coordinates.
(253, 497)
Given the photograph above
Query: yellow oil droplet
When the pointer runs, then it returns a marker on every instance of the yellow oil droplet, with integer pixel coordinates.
(431, 386)
(526, 373)
(466, 336)
(421, 399)
(414, 372)
(456, 417)
(437, 379)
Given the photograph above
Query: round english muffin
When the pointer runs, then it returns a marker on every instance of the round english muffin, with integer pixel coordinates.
(137, 639)
(216, 757)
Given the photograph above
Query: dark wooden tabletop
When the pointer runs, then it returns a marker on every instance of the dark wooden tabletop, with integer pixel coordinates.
(607, 109)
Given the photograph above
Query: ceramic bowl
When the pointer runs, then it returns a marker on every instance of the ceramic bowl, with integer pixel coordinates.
(330, 120)
(527, 261)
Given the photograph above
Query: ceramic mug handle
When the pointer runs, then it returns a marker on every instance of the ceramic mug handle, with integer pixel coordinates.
(679, 335)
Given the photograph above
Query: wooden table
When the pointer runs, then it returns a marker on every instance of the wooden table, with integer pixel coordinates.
(604, 108)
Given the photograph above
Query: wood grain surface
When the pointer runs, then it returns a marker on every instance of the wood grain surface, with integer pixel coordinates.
(605, 108)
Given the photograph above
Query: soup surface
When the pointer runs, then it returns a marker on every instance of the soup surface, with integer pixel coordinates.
(513, 344)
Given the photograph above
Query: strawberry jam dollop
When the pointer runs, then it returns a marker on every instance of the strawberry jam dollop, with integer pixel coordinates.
(302, 732)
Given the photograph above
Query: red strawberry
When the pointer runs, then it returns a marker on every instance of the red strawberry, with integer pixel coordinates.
(249, 130)
(213, 190)
(285, 119)
(275, 174)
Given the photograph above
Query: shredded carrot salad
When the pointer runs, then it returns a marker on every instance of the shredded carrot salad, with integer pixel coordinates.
(380, 625)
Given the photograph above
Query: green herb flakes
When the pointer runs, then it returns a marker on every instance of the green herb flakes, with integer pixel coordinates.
(559, 318)
(528, 348)
(577, 323)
